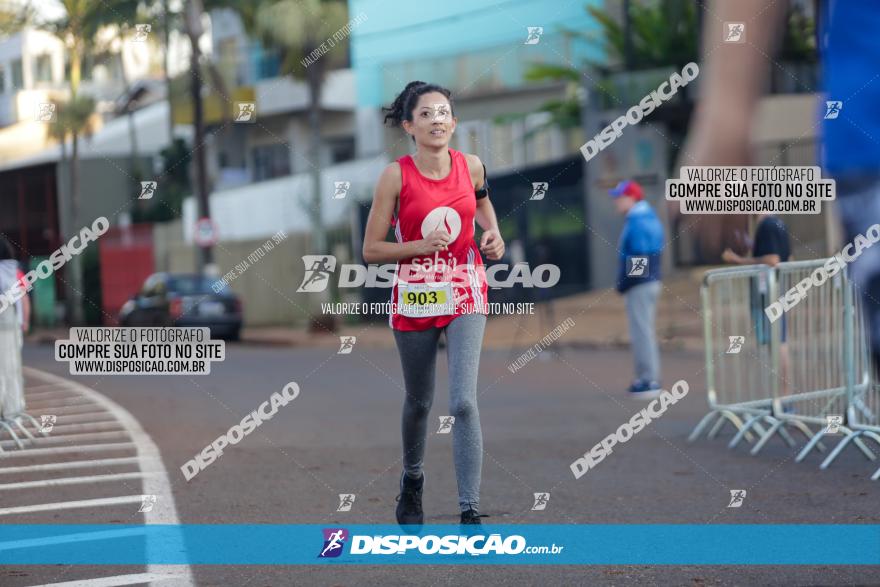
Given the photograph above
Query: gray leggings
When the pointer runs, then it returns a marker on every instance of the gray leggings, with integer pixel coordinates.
(418, 357)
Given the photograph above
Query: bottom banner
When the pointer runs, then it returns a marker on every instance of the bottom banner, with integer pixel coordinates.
(219, 544)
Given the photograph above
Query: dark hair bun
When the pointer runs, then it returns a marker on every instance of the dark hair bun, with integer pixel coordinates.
(403, 105)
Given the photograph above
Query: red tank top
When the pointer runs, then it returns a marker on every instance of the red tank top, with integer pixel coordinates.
(426, 204)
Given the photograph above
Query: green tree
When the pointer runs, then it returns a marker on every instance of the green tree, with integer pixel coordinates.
(299, 27)
(76, 28)
(661, 34)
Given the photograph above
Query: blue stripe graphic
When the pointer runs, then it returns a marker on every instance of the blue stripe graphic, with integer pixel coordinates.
(739, 544)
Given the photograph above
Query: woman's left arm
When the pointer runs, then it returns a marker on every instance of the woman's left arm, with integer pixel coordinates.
(491, 243)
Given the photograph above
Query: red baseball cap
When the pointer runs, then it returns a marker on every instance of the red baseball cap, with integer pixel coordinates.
(629, 188)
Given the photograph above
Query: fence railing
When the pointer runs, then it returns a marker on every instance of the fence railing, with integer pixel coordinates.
(807, 370)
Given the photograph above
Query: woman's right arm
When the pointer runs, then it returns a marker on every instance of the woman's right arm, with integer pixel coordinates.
(376, 249)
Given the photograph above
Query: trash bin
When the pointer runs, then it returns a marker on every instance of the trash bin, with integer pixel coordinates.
(11, 380)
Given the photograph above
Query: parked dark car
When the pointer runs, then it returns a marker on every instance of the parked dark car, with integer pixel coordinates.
(176, 299)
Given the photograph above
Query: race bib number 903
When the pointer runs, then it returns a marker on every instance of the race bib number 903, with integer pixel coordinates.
(420, 300)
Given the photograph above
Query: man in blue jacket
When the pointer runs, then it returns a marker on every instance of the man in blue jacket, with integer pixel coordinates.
(638, 279)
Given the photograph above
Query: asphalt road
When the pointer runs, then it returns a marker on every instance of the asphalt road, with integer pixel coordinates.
(341, 435)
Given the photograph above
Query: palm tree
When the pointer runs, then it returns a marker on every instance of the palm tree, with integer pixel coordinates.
(661, 34)
(120, 18)
(76, 29)
(298, 27)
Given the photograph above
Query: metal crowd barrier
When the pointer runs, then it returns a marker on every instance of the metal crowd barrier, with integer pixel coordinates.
(738, 360)
(12, 405)
(863, 400)
(819, 347)
(809, 367)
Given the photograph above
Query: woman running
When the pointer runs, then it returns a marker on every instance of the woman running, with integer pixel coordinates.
(433, 199)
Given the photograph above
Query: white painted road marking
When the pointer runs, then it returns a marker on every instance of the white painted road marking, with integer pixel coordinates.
(58, 482)
(58, 450)
(70, 505)
(100, 417)
(154, 478)
(102, 463)
(114, 581)
(63, 439)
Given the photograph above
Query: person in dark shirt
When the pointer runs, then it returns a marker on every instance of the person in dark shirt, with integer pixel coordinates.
(771, 245)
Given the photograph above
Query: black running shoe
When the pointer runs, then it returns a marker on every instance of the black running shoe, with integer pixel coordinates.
(472, 516)
(409, 502)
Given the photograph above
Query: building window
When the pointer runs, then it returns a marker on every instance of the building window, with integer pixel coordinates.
(271, 161)
(341, 149)
(503, 152)
(473, 138)
(269, 63)
(17, 77)
(540, 146)
(43, 68)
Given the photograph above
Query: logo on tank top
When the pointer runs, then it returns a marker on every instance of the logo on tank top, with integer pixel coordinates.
(445, 218)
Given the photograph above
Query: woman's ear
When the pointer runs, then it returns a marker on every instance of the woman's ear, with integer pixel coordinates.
(407, 127)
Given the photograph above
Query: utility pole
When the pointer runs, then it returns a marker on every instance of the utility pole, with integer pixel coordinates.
(194, 30)
(627, 38)
(166, 23)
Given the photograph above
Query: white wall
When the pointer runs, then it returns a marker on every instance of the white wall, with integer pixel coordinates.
(261, 209)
